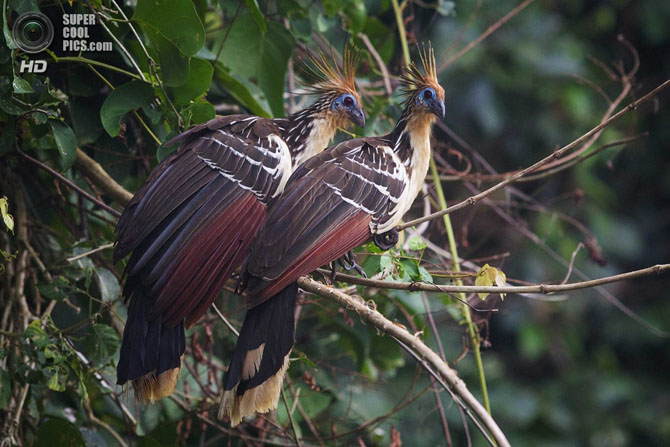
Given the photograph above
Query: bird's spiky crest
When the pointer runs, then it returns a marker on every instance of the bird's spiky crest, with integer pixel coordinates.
(414, 80)
(325, 75)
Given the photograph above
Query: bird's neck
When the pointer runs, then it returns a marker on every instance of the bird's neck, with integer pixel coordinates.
(411, 138)
(311, 130)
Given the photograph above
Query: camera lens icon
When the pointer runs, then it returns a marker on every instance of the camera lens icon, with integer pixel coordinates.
(33, 32)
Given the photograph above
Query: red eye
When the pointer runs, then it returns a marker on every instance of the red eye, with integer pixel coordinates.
(348, 101)
(428, 94)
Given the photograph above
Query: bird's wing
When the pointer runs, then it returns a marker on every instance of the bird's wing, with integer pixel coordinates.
(191, 223)
(331, 205)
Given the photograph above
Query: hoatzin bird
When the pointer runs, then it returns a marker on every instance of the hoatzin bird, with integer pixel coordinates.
(334, 202)
(189, 226)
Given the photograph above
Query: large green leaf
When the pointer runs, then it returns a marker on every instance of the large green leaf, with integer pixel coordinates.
(65, 142)
(260, 56)
(199, 78)
(175, 20)
(101, 343)
(239, 91)
(174, 64)
(123, 99)
(255, 10)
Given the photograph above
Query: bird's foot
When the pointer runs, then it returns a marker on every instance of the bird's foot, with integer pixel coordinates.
(348, 262)
(386, 241)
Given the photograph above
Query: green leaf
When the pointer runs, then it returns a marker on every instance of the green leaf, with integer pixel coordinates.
(55, 289)
(238, 91)
(102, 342)
(7, 218)
(9, 41)
(37, 334)
(416, 243)
(174, 64)
(66, 142)
(255, 10)
(175, 20)
(199, 112)
(356, 16)
(58, 433)
(108, 284)
(262, 57)
(123, 99)
(57, 381)
(199, 79)
(20, 85)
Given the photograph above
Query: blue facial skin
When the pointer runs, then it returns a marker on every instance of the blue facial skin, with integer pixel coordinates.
(349, 105)
(428, 99)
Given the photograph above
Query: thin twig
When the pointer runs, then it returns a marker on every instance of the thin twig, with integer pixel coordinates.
(380, 62)
(65, 180)
(572, 262)
(90, 252)
(485, 34)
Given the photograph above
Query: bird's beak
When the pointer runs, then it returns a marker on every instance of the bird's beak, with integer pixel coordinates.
(357, 116)
(437, 107)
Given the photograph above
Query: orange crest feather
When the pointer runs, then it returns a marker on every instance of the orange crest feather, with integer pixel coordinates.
(326, 76)
(413, 79)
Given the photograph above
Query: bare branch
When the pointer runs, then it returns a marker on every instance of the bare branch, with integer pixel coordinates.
(540, 288)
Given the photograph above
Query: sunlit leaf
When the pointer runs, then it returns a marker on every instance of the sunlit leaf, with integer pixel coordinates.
(488, 276)
(7, 218)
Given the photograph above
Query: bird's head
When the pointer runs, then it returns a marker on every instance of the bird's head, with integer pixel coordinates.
(336, 86)
(424, 95)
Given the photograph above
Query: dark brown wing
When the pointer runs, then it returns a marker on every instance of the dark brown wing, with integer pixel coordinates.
(331, 205)
(191, 223)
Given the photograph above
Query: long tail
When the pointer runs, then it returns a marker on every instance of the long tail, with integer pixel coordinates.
(150, 352)
(261, 357)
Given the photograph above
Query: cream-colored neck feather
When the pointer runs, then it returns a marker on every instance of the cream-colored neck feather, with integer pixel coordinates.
(418, 129)
(322, 132)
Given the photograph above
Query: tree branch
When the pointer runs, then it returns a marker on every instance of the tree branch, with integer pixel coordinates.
(372, 316)
(554, 155)
(540, 288)
(101, 178)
